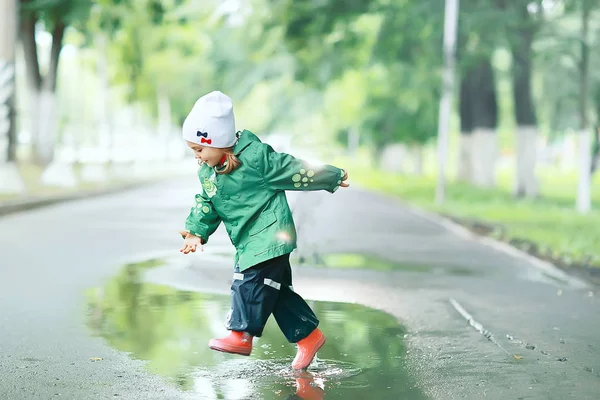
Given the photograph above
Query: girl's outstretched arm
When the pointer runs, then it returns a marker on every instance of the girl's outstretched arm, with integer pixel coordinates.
(283, 171)
(203, 219)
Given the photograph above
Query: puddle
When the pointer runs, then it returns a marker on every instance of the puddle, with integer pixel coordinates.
(372, 262)
(364, 356)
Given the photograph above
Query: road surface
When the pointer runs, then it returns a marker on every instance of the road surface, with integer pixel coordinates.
(480, 322)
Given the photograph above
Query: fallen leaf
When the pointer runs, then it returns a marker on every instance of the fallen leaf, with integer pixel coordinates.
(517, 357)
(96, 358)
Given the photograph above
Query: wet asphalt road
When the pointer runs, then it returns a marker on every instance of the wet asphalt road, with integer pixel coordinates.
(51, 256)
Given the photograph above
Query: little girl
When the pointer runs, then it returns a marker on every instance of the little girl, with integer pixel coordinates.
(243, 184)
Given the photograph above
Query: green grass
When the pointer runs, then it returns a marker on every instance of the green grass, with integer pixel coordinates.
(550, 221)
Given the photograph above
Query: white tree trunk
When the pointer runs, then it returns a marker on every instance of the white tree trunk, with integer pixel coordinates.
(47, 129)
(465, 158)
(164, 121)
(104, 114)
(33, 123)
(353, 141)
(10, 178)
(485, 154)
(418, 159)
(584, 197)
(59, 170)
(392, 158)
(59, 174)
(526, 154)
(449, 49)
(7, 90)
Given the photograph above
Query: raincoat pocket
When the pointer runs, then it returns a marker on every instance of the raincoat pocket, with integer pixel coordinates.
(264, 220)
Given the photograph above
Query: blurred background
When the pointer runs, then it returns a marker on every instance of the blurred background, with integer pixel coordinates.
(486, 112)
(93, 94)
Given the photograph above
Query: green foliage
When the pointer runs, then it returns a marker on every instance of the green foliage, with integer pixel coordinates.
(402, 106)
(411, 32)
(380, 61)
(70, 12)
(558, 62)
(371, 66)
(323, 35)
(306, 18)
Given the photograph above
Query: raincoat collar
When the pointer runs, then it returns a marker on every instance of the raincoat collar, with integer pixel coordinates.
(245, 138)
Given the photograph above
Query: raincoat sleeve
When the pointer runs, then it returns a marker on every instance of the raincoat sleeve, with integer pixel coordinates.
(282, 171)
(203, 219)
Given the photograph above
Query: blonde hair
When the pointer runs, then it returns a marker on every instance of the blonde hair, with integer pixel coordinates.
(231, 162)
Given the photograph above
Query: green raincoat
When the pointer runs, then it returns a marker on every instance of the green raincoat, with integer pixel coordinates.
(251, 200)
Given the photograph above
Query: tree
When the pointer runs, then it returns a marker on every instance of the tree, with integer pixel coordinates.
(478, 103)
(11, 181)
(477, 41)
(55, 16)
(484, 117)
(523, 22)
(7, 80)
(450, 28)
(595, 151)
(584, 196)
(465, 157)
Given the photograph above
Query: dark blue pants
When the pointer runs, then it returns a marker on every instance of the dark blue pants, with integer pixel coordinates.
(266, 289)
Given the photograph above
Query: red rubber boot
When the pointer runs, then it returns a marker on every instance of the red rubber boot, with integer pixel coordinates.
(235, 343)
(307, 348)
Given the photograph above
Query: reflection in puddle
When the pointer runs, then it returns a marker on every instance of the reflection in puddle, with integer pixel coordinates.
(363, 356)
(372, 262)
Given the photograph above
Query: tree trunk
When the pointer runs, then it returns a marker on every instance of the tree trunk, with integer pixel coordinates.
(526, 184)
(595, 151)
(484, 112)
(450, 36)
(164, 119)
(32, 64)
(10, 181)
(8, 36)
(34, 79)
(596, 135)
(58, 34)
(584, 201)
(392, 158)
(7, 107)
(465, 155)
(48, 117)
(104, 114)
(353, 141)
(42, 116)
(417, 151)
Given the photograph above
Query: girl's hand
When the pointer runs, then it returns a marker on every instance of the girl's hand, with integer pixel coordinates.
(344, 184)
(190, 243)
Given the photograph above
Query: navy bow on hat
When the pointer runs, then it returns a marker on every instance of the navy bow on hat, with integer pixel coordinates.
(204, 137)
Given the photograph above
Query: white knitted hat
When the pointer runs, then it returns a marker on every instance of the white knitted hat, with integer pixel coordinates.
(211, 122)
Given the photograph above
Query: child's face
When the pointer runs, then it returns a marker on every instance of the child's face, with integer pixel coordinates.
(209, 155)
